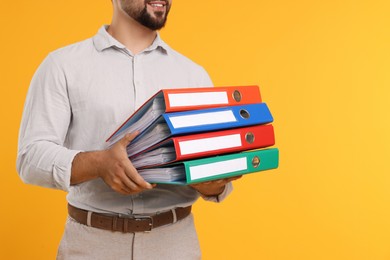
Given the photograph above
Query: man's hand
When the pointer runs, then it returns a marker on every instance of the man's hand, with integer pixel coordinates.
(213, 188)
(118, 172)
(113, 166)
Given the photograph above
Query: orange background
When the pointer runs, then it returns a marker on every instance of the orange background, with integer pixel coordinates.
(323, 68)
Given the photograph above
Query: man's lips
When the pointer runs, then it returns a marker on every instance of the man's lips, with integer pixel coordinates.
(157, 4)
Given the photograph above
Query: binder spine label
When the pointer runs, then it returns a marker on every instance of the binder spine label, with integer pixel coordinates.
(197, 99)
(218, 168)
(210, 144)
(202, 119)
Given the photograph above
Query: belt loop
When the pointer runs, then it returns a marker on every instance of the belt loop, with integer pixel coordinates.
(89, 217)
(125, 225)
(174, 216)
(115, 223)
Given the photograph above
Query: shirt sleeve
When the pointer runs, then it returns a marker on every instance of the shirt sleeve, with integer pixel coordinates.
(42, 158)
(205, 79)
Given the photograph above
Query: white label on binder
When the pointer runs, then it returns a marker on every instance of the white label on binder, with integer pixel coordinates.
(218, 168)
(203, 119)
(210, 144)
(196, 99)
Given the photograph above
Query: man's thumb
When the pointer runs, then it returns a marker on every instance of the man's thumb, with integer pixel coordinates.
(126, 140)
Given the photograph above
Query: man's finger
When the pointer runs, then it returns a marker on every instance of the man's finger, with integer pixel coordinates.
(219, 181)
(128, 184)
(133, 174)
(233, 178)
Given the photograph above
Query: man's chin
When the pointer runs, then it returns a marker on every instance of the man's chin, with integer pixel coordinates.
(159, 22)
(153, 20)
(157, 16)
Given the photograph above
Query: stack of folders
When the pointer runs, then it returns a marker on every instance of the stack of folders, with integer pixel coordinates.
(194, 135)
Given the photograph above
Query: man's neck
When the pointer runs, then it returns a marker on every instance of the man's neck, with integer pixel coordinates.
(130, 33)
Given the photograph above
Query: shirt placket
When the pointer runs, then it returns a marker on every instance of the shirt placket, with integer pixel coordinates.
(137, 81)
(137, 199)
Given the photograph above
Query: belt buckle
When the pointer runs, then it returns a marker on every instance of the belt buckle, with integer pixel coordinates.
(142, 218)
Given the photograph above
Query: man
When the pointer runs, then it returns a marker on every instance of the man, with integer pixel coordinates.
(79, 95)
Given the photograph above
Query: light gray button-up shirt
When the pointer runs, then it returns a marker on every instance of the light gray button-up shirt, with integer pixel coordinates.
(79, 95)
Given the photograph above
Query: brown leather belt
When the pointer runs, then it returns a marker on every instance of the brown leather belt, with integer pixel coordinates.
(127, 225)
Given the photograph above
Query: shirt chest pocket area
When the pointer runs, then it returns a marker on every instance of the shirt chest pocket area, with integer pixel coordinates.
(99, 107)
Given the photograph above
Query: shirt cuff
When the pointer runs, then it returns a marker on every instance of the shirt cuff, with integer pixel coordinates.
(228, 189)
(63, 168)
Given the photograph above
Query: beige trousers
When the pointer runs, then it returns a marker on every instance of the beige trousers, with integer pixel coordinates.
(175, 241)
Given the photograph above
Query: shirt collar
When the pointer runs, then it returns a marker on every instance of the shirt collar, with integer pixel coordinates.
(103, 40)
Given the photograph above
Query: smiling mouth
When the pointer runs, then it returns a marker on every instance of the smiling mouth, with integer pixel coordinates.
(157, 4)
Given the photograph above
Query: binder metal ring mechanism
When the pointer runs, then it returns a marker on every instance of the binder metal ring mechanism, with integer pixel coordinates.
(244, 114)
(256, 161)
(249, 137)
(237, 95)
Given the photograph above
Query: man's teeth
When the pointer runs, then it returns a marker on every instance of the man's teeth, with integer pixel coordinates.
(157, 5)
